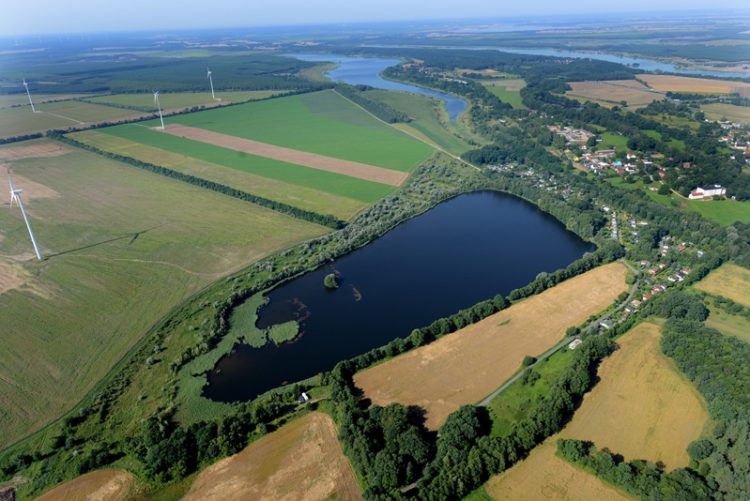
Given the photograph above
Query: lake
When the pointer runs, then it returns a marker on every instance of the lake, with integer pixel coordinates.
(366, 71)
(463, 251)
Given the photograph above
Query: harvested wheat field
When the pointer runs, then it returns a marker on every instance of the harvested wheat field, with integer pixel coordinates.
(100, 485)
(466, 366)
(313, 160)
(300, 461)
(614, 91)
(33, 149)
(694, 85)
(642, 408)
(31, 189)
(11, 276)
(543, 475)
(730, 281)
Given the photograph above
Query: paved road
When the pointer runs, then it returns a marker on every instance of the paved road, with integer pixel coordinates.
(564, 342)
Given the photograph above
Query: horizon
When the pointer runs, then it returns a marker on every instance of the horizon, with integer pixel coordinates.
(17, 24)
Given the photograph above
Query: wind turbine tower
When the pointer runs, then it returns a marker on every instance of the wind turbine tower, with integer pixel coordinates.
(158, 105)
(211, 81)
(33, 110)
(15, 196)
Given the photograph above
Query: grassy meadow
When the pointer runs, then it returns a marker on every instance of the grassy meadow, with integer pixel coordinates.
(508, 91)
(724, 111)
(430, 121)
(122, 247)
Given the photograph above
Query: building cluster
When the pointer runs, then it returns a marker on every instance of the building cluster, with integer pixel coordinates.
(738, 139)
(571, 135)
(708, 191)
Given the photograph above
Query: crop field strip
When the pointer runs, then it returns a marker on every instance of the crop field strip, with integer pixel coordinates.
(614, 91)
(642, 408)
(321, 122)
(312, 160)
(469, 364)
(301, 460)
(178, 100)
(123, 247)
(329, 182)
(294, 195)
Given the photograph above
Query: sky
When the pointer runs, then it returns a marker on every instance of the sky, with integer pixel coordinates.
(75, 16)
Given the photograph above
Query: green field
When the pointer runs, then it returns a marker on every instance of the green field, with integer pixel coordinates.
(511, 405)
(429, 119)
(295, 195)
(616, 141)
(171, 100)
(508, 91)
(123, 247)
(20, 120)
(329, 182)
(723, 212)
(321, 122)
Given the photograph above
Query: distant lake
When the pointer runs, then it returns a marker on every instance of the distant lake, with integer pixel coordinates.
(366, 71)
(463, 251)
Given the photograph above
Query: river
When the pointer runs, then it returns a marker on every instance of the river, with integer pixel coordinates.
(463, 251)
(366, 71)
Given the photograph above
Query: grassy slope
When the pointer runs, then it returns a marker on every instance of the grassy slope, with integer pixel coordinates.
(337, 184)
(426, 118)
(297, 196)
(124, 246)
(723, 111)
(322, 122)
(731, 325)
(507, 92)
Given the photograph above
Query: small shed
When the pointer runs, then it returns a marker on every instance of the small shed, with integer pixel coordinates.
(303, 398)
(574, 344)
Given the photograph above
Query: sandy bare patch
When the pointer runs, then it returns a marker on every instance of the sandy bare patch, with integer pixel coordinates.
(31, 189)
(300, 461)
(34, 150)
(11, 277)
(313, 160)
(466, 366)
(100, 485)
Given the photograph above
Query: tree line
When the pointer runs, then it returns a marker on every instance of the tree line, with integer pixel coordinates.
(358, 94)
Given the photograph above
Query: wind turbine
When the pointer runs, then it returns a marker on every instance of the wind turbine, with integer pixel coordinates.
(211, 81)
(33, 110)
(158, 105)
(15, 196)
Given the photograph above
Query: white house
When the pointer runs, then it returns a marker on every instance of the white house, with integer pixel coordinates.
(574, 344)
(712, 190)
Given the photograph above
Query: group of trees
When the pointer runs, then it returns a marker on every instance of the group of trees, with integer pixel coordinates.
(641, 478)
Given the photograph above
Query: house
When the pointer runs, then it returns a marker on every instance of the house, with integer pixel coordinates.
(574, 344)
(606, 324)
(304, 398)
(712, 190)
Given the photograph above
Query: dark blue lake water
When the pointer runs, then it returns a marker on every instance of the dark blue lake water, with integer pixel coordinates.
(366, 71)
(461, 252)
